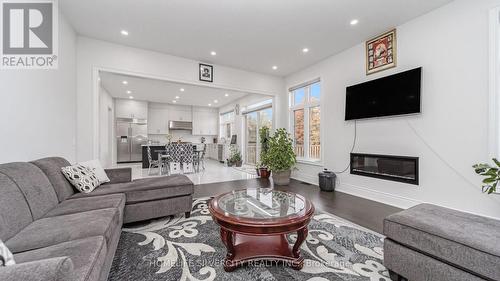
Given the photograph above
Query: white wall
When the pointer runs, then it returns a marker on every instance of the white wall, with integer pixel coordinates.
(451, 44)
(106, 128)
(93, 54)
(38, 107)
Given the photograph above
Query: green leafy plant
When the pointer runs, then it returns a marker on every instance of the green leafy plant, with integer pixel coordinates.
(280, 155)
(264, 144)
(235, 155)
(491, 173)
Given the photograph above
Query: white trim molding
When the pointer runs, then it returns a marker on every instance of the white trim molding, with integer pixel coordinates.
(379, 196)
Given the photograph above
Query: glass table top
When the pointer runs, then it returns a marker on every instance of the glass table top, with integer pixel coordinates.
(261, 203)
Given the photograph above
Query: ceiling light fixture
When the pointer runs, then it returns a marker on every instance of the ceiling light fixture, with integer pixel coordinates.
(275, 67)
(226, 95)
(131, 97)
(176, 97)
(181, 89)
(354, 22)
(213, 53)
(216, 101)
(209, 104)
(174, 101)
(124, 82)
(305, 50)
(124, 32)
(129, 92)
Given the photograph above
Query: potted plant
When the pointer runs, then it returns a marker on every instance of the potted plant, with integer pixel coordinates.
(262, 166)
(281, 157)
(492, 175)
(234, 157)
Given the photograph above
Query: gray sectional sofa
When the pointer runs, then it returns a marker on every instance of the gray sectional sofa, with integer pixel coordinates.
(57, 233)
(429, 242)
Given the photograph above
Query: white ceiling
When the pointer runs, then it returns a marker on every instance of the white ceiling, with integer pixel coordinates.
(252, 35)
(153, 90)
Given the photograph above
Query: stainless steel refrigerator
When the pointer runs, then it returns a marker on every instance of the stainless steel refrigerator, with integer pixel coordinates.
(131, 134)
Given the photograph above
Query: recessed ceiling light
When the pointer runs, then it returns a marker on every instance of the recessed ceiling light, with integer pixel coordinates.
(275, 67)
(305, 50)
(209, 104)
(176, 97)
(213, 53)
(131, 97)
(181, 89)
(226, 95)
(129, 92)
(216, 101)
(354, 22)
(174, 101)
(124, 82)
(124, 32)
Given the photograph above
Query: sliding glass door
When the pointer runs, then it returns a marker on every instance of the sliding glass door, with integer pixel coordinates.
(254, 121)
(251, 143)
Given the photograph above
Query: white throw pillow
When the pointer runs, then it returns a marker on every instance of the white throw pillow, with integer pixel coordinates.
(81, 177)
(6, 257)
(95, 165)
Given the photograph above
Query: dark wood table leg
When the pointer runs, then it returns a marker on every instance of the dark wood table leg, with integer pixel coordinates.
(228, 240)
(298, 263)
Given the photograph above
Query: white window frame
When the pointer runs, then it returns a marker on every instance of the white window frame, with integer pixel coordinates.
(494, 84)
(256, 107)
(223, 124)
(306, 105)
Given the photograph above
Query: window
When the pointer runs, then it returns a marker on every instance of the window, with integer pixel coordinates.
(261, 116)
(305, 116)
(298, 131)
(494, 80)
(227, 125)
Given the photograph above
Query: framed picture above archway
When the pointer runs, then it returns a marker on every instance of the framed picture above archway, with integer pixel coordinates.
(206, 72)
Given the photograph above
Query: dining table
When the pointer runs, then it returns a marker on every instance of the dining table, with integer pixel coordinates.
(164, 157)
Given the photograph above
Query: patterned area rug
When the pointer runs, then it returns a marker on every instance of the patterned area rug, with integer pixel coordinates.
(176, 248)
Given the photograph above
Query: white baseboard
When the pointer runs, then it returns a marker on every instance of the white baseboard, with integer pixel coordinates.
(304, 178)
(363, 192)
(379, 196)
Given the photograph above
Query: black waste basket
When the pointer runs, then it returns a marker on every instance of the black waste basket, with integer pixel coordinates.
(327, 180)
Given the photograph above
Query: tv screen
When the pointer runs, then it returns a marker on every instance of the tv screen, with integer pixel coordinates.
(392, 95)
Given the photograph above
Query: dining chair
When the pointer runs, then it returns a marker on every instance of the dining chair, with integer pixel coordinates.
(154, 163)
(167, 158)
(197, 157)
(202, 157)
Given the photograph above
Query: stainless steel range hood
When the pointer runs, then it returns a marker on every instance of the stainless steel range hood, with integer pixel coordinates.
(180, 125)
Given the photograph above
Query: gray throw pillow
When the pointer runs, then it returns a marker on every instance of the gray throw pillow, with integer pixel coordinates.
(81, 177)
(6, 257)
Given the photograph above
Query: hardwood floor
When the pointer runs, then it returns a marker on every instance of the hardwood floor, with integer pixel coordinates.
(364, 212)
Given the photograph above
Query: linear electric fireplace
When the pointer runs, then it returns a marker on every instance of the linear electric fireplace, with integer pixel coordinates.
(388, 167)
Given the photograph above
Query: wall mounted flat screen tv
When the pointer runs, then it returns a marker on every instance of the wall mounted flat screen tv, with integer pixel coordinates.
(397, 94)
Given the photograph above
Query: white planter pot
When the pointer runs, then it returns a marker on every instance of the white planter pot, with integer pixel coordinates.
(281, 178)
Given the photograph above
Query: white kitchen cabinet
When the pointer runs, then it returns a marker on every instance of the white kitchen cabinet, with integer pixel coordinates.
(205, 122)
(131, 109)
(179, 114)
(158, 121)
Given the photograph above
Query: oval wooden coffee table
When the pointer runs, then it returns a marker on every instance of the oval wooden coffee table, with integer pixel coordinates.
(254, 224)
